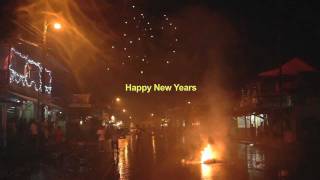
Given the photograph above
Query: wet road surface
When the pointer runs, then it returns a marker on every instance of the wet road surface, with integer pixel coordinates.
(155, 156)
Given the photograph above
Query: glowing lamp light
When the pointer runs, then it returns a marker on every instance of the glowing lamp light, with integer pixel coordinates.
(118, 124)
(57, 26)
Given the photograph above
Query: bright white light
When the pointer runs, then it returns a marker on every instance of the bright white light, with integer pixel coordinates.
(57, 26)
(118, 124)
(207, 154)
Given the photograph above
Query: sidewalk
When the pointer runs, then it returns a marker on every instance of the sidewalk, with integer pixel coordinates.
(74, 160)
(275, 143)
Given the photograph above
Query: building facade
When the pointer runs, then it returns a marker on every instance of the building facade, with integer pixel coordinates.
(25, 93)
(280, 104)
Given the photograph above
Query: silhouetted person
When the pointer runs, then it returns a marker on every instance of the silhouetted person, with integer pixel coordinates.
(101, 132)
(34, 132)
(58, 135)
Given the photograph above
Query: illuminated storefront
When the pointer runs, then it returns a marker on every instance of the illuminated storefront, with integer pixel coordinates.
(25, 92)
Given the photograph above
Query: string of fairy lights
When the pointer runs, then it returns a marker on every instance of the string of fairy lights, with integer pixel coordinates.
(25, 79)
(144, 39)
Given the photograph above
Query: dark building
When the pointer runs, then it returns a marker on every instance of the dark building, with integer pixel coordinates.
(280, 104)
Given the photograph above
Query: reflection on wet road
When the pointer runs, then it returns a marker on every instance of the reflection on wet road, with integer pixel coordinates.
(152, 156)
(158, 156)
(124, 163)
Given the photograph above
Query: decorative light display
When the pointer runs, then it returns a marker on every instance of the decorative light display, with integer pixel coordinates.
(25, 79)
(48, 89)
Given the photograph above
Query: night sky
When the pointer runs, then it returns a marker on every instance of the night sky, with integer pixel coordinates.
(215, 42)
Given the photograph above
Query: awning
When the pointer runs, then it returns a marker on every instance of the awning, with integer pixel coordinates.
(291, 68)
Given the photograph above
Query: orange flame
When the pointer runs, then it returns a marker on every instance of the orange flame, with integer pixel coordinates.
(207, 154)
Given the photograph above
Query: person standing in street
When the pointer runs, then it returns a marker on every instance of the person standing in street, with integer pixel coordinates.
(101, 132)
(34, 135)
(58, 136)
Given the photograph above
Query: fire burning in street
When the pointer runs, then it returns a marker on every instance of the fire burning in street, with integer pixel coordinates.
(208, 155)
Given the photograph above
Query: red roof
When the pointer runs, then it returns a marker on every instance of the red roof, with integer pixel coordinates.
(291, 68)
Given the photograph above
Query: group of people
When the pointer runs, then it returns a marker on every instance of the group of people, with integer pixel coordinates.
(34, 134)
(41, 132)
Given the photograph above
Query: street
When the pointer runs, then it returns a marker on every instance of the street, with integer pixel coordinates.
(150, 155)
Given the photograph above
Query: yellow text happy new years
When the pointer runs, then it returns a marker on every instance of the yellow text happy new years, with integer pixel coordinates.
(159, 88)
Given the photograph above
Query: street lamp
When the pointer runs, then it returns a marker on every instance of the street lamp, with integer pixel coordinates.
(56, 26)
(118, 99)
(124, 110)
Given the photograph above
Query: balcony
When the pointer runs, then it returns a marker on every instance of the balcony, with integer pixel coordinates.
(266, 102)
